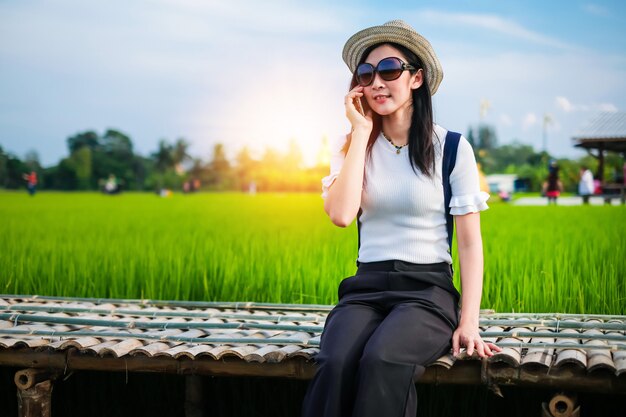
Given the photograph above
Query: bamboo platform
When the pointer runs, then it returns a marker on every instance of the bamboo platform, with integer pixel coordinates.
(60, 335)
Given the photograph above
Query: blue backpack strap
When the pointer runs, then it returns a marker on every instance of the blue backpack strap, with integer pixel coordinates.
(449, 160)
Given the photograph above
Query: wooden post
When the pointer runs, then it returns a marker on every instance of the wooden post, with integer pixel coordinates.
(34, 393)
(194, 404)
(600, 173)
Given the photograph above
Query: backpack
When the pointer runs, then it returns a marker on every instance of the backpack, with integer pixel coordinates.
(449, 160)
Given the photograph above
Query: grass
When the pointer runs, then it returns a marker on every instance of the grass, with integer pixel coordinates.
(282, 248)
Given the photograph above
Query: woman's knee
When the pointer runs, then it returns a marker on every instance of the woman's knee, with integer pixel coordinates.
(336, 360)
(376, 356)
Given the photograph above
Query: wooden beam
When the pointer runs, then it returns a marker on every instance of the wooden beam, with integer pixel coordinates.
(465, 372)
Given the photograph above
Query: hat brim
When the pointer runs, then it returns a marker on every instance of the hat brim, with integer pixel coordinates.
(405, 36)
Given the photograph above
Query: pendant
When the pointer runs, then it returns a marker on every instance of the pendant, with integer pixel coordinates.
(398, 151)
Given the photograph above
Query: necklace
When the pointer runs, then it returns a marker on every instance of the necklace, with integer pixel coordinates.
(393, 144)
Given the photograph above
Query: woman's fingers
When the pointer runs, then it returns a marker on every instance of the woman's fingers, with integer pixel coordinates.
(455, 344)
(488, 352)
(494, 348)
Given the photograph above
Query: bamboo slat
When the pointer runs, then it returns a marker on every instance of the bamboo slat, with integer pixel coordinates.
(80, 343)
(597, 359)
(281, 354)
(491, 330)
(260, 355)
(619, 359)
(122, 348)
(307, 353)
(24, 342)
(511, 354)
(540, 356)
(578, 325)
(446, 361)
(4, 324)
(100, 347)
(569, 351)
(152, 349)
(619, 355)
(195, 351)
(132, 324)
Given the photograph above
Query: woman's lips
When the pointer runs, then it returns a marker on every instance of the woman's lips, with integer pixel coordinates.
(380, 98)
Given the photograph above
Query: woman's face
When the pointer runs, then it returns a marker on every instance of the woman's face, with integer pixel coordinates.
(387, 97)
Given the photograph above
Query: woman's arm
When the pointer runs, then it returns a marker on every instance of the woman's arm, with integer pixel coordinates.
(344, 195)
(470, 249)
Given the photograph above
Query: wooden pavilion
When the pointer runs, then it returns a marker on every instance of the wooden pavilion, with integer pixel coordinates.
(49, 337)
(605, 132)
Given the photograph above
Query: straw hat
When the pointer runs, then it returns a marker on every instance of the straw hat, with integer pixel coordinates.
(396, 31)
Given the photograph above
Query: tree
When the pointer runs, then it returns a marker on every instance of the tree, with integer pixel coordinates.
(487, 138)
(180, 154)
(245, 169)
(515, 154)
(31, 159)
(163, 157)
(470, 137)
(3, 167)
(89, 139)
(116, 143)
(219, 169)
(81, 164)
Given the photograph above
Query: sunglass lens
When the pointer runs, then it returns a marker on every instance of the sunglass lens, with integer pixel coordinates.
(365, 74)
(389, 69)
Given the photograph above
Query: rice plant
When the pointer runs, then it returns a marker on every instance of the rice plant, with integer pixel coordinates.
(282, 248)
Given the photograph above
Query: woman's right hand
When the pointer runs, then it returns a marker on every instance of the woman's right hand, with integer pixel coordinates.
(357, 120)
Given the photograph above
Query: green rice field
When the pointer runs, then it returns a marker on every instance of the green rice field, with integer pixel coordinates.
(283, 248)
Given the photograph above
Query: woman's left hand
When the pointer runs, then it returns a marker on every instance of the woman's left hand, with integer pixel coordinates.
(468, 336)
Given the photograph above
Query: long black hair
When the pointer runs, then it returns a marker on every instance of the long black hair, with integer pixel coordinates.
(421, 147)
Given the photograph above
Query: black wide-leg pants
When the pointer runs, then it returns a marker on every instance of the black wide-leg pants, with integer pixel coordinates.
(393, 318)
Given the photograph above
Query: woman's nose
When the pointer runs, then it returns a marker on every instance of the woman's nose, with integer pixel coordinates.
(377, 82)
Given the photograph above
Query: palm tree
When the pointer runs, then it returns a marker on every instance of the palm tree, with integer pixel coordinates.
(163, 157)
(180, 154)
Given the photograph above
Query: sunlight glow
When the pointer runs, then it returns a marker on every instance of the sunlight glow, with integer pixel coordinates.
(284, 108)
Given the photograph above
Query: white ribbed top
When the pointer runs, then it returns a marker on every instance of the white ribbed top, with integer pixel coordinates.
(403, 214)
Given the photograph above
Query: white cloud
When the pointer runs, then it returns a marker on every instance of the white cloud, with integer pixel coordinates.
(492, 23)
(606, 107)
(596, 9)
(564, 104)
(506, 120)
(568, 107)
(529, 121)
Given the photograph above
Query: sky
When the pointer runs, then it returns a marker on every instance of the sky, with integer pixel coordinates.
(262, 73)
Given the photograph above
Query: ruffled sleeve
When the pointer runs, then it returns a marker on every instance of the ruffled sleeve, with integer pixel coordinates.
(336, 162)
(466, 194)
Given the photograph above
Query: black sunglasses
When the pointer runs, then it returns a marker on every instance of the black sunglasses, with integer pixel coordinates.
(389, 69)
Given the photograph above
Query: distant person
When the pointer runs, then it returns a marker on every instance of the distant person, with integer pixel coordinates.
(552, 187)
(111, 185)
(252, 188)
(31, 182)
(504, 195)
(585, 186)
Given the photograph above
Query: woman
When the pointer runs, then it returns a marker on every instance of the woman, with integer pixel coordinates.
(553, 186)
(585, 185)
(400, 311)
